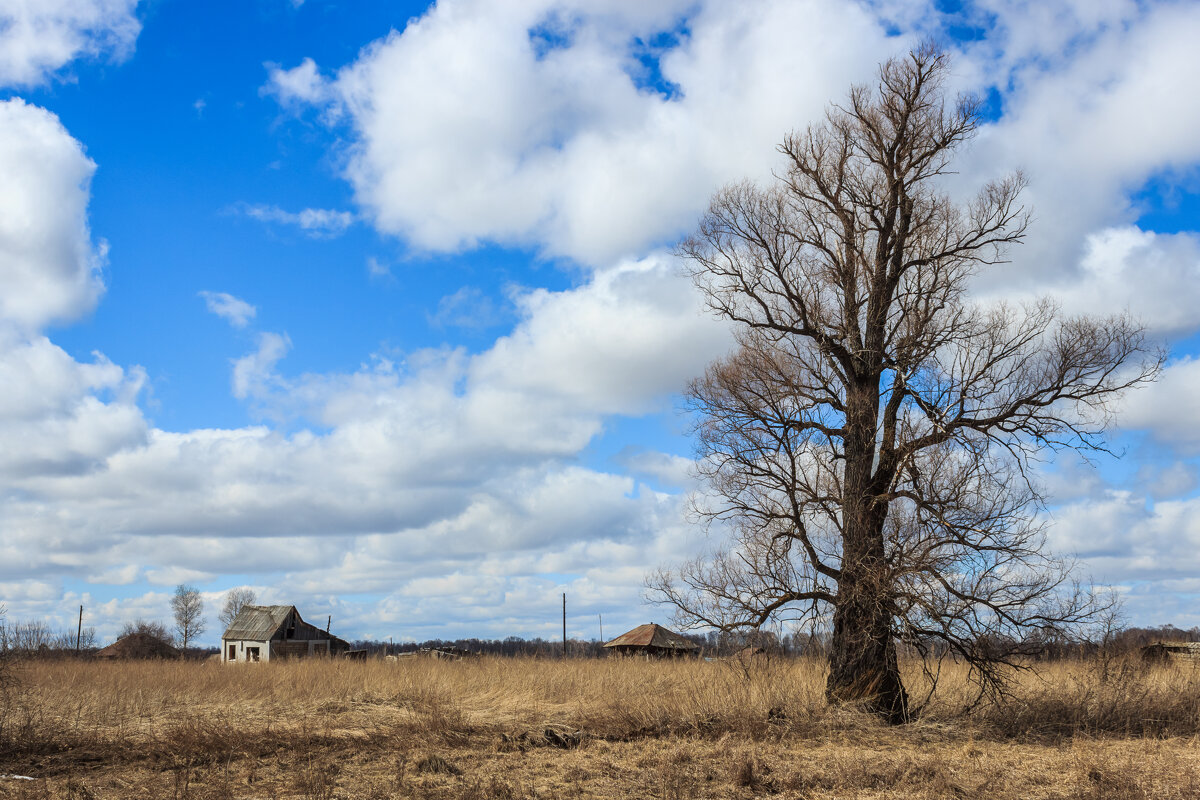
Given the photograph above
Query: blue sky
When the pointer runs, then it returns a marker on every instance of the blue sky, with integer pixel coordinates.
(181, 135)
(371, 306)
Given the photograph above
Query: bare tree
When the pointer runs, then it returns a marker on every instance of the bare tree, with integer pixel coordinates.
(870, 440)
(153, 629)
(84, 639)
(188, 606)
(234, 600)
(30, 636)
(8, 677)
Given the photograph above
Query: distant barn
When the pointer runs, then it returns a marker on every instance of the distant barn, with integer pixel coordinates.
(651, 640)
(263, 633)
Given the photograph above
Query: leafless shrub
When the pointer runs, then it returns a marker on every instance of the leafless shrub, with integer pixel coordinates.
(152, 628)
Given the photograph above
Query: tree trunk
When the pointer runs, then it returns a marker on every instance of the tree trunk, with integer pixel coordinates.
(862, 664)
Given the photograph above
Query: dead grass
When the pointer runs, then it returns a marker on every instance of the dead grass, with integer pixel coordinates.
(477, 729)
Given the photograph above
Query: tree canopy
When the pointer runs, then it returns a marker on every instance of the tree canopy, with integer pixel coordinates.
(870, 440)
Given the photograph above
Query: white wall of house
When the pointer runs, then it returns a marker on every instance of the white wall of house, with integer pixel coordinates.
(241, 651)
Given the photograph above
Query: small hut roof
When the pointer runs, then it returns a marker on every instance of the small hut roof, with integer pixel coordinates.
(751, 650)
(138, 645)
(257, 623)
(652, 635)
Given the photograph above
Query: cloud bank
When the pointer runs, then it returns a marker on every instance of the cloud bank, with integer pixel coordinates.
(592, 132)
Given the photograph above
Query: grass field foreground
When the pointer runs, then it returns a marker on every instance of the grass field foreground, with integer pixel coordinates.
(488, 728)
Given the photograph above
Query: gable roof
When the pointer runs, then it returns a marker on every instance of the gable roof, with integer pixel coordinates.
(258, 623)
(651, 635)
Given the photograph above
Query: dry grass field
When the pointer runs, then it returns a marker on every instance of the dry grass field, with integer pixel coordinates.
(478, 729)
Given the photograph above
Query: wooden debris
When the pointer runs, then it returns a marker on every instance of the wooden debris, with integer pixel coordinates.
(566, 741)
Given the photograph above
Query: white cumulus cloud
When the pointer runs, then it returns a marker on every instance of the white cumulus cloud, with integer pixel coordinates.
(234, 310)
(1168, 408)
(38, 37)
(474, 125)
(1089, 124)
(49, 265)
(253, 373)
(302, 84)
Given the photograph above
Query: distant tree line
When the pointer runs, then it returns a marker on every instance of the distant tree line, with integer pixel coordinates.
(35, 637)
(38, 636)
(512, 646)
(720, 644)
(713, 643)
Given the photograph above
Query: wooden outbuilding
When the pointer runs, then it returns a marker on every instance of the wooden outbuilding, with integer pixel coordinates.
(264, 633)
(139, 646)
(652, 640)
(1168, 651)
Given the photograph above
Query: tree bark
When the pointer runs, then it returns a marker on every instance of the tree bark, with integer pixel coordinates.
(862, 663)
(863, 666)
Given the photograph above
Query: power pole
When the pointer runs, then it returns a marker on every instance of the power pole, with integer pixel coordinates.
(328, 622)
(564, 624)
(601, 616)
(79, 630)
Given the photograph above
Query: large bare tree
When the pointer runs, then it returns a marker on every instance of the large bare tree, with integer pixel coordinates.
(870, 439)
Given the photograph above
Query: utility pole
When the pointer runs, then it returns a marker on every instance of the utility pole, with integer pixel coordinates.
(79, 630)
(601, 616)
(328, 622)
(564, 624)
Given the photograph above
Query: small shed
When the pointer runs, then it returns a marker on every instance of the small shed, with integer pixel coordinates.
(265, 633)
(651, 640)
(138, 646)
(1166, 651)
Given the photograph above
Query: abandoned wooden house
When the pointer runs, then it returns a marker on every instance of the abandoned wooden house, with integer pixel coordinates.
(651, 640)
(1167, 651)
(264, 633)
